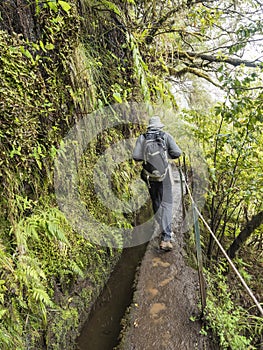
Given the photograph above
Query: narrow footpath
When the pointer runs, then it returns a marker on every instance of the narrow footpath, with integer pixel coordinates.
(165, 305)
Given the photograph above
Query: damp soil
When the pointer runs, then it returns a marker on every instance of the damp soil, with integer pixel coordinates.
(165, 312)
(155, 306)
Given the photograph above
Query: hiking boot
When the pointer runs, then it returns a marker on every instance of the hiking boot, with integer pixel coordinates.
(166, 245)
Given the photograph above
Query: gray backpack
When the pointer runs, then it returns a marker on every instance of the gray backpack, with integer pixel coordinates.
(155, 163)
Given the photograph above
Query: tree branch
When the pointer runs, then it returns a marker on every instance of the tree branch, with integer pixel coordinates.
(195, 71)
(165, 18)
(211, 58)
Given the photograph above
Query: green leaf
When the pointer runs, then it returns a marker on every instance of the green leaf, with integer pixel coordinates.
(117, 97)
(26, 53)
(41, 295)
(2, 312)
(42, 45)
(53, 6)
(111, 6)
(50, 46)
(65, 5)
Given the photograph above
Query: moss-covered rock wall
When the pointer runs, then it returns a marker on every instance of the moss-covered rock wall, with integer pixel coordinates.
(59, 62)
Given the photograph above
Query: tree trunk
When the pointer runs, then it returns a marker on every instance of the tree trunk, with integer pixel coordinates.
(250, 227)
(18, 16)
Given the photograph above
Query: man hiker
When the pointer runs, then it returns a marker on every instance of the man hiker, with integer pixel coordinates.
(154, 148)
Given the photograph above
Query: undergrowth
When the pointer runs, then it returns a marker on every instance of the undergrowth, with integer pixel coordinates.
(234, 326)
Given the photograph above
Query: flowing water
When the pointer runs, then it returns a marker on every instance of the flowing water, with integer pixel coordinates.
(102, 329)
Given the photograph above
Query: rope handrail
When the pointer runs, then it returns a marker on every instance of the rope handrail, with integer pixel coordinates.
(224, 252)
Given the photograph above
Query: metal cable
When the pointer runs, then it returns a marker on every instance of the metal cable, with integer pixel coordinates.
(225, 254)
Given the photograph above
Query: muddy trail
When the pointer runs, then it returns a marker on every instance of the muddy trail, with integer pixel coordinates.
(164, 312)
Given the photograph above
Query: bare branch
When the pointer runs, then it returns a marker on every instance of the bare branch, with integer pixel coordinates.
(211, 58)
(195, 71)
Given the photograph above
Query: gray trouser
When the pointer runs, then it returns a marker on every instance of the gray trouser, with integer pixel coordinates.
(162, 202)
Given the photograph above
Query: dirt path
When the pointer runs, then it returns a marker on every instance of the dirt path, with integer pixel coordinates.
(166, 296)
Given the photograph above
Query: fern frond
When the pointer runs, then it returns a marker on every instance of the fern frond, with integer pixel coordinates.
(42, 296)
(76, 269)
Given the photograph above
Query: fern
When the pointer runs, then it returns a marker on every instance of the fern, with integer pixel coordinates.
(42, 296)
(53, 226)
(49, 223)
(55, 222)
(76, 269)
(30, 275)
(140, 67)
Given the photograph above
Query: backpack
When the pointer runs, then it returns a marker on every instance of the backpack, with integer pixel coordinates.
(155, 157)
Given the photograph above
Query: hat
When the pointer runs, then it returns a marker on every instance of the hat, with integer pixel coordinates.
(155, 122)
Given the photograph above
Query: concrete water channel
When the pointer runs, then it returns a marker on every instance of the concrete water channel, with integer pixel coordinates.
(162, 306)
(101, 330)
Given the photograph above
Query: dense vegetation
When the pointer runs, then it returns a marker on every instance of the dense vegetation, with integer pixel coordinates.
(61, 61)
